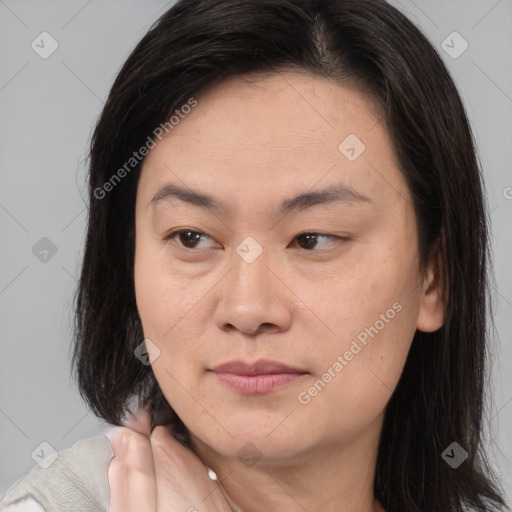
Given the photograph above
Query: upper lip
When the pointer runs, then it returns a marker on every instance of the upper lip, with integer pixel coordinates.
(260, 367)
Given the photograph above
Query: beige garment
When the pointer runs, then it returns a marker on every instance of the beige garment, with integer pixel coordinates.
(75, 481)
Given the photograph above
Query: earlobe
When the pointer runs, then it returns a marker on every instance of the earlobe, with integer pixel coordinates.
(432, 300)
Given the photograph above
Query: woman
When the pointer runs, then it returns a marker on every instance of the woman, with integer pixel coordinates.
(286, 262)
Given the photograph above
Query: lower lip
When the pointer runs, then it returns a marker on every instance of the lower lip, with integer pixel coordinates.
(253, 384)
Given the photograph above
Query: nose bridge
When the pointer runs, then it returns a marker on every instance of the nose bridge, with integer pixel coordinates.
(250, 274)
(251, 295)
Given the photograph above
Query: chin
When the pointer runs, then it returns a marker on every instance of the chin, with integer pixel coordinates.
(252, 441)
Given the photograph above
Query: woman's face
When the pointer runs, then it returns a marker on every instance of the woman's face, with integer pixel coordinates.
(279, 157)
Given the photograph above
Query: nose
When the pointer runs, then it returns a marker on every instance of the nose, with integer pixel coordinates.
(253, 300)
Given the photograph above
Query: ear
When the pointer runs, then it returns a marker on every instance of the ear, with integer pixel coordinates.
(433, 294)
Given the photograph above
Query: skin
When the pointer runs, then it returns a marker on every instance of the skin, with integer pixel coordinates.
(252, 144)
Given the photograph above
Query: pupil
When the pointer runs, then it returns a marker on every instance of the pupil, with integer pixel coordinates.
(189, 237)
(310, 241)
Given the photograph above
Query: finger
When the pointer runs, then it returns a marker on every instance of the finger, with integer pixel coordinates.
(131, 473)
(181, 477)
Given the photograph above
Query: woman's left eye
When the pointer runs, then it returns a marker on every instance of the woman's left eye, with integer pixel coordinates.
(310, 241)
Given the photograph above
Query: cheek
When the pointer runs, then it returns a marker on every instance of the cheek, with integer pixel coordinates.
(371, 314)
(364, 299)
(165, 299)
(174, 317)
(358, 375)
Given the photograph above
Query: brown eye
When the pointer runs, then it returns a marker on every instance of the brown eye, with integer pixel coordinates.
(188, 238)
(310, 241)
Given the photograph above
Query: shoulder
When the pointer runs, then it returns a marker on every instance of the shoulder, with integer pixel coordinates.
(72, 479)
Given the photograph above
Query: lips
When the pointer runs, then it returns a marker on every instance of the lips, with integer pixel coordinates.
(257, 378)
(261, 367)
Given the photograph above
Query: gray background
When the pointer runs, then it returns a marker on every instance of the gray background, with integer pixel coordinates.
(48, 109)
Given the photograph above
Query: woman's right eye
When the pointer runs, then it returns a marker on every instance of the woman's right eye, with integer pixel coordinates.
(188, 238)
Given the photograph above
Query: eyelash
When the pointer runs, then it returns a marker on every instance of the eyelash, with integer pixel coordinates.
(174, 234)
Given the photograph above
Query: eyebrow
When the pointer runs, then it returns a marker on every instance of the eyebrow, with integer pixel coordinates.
(336, 193)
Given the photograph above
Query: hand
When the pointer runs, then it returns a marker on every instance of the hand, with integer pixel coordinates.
(156, 473)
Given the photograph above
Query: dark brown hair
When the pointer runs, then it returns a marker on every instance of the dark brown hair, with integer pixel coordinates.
(372, 46)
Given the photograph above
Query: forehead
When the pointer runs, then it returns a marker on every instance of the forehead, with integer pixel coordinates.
(287, 131)
(280, 111)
